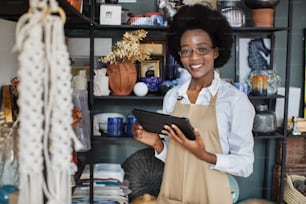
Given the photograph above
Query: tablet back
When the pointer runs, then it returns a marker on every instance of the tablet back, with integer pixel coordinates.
(154, 122)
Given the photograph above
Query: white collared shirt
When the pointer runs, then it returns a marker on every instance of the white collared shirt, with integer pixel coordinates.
(235, 114)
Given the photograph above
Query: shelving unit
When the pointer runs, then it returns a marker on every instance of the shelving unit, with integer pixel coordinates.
(106, 149)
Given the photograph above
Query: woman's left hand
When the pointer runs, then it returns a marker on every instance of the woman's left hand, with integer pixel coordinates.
(197, 146)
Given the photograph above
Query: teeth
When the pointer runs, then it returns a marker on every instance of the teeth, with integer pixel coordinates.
(195, 66)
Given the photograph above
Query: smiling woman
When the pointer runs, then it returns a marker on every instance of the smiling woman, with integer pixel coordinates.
(200, 40)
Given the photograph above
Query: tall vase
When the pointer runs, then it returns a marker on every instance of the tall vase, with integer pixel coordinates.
(122, 78)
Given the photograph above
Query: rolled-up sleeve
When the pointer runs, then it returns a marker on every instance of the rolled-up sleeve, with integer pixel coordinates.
(239, 158)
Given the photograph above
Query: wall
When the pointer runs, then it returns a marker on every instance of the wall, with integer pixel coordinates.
(8, 59)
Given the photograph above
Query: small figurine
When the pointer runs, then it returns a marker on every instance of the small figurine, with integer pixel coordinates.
(101, 87)
(79, 82)
(295, 130)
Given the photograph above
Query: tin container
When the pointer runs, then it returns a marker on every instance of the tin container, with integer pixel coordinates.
(265, 120)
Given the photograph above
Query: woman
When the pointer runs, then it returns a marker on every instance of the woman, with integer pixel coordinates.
(200, 39)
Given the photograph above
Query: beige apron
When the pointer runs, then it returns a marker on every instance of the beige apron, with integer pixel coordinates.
(187, 179)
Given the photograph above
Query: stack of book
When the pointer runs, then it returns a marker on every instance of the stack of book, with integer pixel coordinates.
(109, 185)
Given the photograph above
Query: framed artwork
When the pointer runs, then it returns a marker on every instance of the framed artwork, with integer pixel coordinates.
(254, 54)
(157, 47)
(150, 68)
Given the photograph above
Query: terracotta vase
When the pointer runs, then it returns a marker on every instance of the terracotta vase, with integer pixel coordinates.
(122, 78)
(262, 12)
(263, 17)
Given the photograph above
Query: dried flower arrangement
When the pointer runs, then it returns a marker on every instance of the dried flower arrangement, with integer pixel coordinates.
(128, 49)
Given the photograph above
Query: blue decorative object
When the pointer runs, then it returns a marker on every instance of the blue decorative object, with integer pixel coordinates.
(234, 187)
(257, 51)
(152, 83)
(166, 86)
(115, 127)
(5, 191)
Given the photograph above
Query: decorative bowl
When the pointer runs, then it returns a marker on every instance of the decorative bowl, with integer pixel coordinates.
(256, 4)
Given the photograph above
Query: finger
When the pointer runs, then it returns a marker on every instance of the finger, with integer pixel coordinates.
(197, 133)
(175, 135)
(169, 130)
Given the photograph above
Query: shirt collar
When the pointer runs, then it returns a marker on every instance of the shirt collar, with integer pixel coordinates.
(212, 89)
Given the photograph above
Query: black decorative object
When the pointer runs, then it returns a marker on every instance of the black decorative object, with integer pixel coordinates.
(257, 51)
(144, 173)
(258, 4)
(111, 1)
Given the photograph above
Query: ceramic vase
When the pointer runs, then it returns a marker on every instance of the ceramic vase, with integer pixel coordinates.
(122, 78)
(262, 12)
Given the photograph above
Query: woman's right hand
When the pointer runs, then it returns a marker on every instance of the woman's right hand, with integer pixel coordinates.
(149, 138)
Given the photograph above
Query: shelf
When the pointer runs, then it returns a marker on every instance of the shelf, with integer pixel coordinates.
(13, 10)
(303, 134)
(273, 135)
(74, 18)
(132, 97)
(259, 29)
(130, 27)
(274, 96)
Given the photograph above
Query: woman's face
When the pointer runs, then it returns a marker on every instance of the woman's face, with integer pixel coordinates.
(197, 54)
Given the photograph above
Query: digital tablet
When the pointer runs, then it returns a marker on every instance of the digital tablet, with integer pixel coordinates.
(154, 122)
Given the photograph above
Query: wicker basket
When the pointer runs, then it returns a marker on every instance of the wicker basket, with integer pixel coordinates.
(291, 194)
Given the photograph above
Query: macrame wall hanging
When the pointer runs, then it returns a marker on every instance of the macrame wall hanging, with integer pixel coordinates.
(45, 131)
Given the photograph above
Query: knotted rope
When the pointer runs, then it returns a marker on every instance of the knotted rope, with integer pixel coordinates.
(46, 134)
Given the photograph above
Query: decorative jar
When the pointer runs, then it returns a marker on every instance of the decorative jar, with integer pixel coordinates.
(231, 9)
(273, 80)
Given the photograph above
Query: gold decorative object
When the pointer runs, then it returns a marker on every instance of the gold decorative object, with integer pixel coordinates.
(128, 49)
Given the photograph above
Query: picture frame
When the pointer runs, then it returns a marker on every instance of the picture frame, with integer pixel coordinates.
(157, 47)
(253, 53)
(153, 65)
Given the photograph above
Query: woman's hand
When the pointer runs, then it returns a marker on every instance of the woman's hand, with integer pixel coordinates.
(148, 138)
(197, 146)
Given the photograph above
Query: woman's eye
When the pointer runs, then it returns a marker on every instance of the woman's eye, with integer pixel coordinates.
(203, 50)
(186, 52)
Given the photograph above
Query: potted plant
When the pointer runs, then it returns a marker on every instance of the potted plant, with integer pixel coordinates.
(121, 68)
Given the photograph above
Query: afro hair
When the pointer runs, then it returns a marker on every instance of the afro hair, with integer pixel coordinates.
(199, 16)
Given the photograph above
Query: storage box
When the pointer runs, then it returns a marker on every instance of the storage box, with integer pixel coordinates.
(110, 14)
(296, 151)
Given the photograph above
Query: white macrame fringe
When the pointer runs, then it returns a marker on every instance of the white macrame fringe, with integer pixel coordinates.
(46, 134)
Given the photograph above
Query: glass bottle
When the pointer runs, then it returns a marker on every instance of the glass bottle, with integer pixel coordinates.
(231, 9)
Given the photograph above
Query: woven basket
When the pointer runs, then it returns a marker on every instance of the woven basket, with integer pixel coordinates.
(291, 194)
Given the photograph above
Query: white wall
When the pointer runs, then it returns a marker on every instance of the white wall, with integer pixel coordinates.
(8, 59)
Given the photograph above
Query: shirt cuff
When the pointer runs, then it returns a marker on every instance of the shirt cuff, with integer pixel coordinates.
(221, 163)
(162, 156)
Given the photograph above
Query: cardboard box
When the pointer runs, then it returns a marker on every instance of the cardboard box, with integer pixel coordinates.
(110, 14)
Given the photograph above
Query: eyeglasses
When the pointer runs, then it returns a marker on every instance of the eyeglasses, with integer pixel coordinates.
(198, 51)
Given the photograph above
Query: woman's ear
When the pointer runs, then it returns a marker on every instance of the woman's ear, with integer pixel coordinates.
(216, 53)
